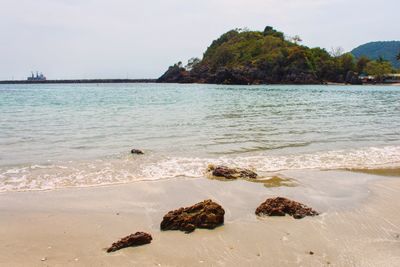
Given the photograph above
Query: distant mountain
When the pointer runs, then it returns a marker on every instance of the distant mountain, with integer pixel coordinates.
(387, 50)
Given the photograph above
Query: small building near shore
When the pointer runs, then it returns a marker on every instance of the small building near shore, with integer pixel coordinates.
(392, 78)
(366, 78)
(387, 78)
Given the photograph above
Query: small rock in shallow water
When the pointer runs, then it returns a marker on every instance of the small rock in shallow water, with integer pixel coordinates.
(138, 239)
(206, 214)
(137, 151)
(280, 206)
(231, 173)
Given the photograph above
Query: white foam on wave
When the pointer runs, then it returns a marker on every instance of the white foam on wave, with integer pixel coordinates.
(130, 169)
(339, 159)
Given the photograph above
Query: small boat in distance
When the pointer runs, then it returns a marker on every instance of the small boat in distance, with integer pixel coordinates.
(37, 77)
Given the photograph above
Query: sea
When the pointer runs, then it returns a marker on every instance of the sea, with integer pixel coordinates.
(54, 136)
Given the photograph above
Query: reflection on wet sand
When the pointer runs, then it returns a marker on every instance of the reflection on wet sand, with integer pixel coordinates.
(393, 172)
(269, 181)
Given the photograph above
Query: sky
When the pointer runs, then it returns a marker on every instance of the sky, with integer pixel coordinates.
(73, 39)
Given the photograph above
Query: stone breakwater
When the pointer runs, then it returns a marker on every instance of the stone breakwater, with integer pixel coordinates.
(80, 81)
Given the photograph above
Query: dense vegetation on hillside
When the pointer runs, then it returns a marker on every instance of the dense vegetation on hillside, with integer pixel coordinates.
(374, 50)
(254, 57)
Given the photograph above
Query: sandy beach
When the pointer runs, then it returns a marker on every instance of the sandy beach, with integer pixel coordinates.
(358, 225)
(199, 133)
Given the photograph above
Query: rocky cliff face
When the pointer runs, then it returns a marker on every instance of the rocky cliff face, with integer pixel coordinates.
(240, 76)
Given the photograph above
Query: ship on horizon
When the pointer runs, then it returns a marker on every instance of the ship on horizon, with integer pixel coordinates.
(37, 77)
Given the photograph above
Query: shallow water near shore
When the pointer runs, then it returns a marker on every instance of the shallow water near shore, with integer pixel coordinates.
(55, 136)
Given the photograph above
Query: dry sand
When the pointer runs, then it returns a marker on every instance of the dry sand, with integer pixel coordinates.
(359, 224)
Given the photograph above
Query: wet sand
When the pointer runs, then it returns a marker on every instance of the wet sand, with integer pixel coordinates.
(395, 172)
(359, 224)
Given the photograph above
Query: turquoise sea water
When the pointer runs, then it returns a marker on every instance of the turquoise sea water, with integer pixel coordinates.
(53, 136)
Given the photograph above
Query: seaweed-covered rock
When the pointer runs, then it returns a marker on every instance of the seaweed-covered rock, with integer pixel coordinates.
(138, 239)
(137, 151)
(206, 214)
(231, 173)
(280, 206)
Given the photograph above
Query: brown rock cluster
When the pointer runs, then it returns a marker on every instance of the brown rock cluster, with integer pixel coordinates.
(231, 173)
(280, 206)
(138, 239)
(206, 214)
(209, 215)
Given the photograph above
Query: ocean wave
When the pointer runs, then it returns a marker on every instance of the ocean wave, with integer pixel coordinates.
(129, 169)
(372, 157)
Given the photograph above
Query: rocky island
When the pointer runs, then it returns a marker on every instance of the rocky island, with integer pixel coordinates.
(244, 57)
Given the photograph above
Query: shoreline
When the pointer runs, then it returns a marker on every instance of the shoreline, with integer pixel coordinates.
(71, 227)
(127, 81)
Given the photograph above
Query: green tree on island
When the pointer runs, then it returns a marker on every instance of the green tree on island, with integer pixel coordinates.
(379, 68)
(362, 63)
